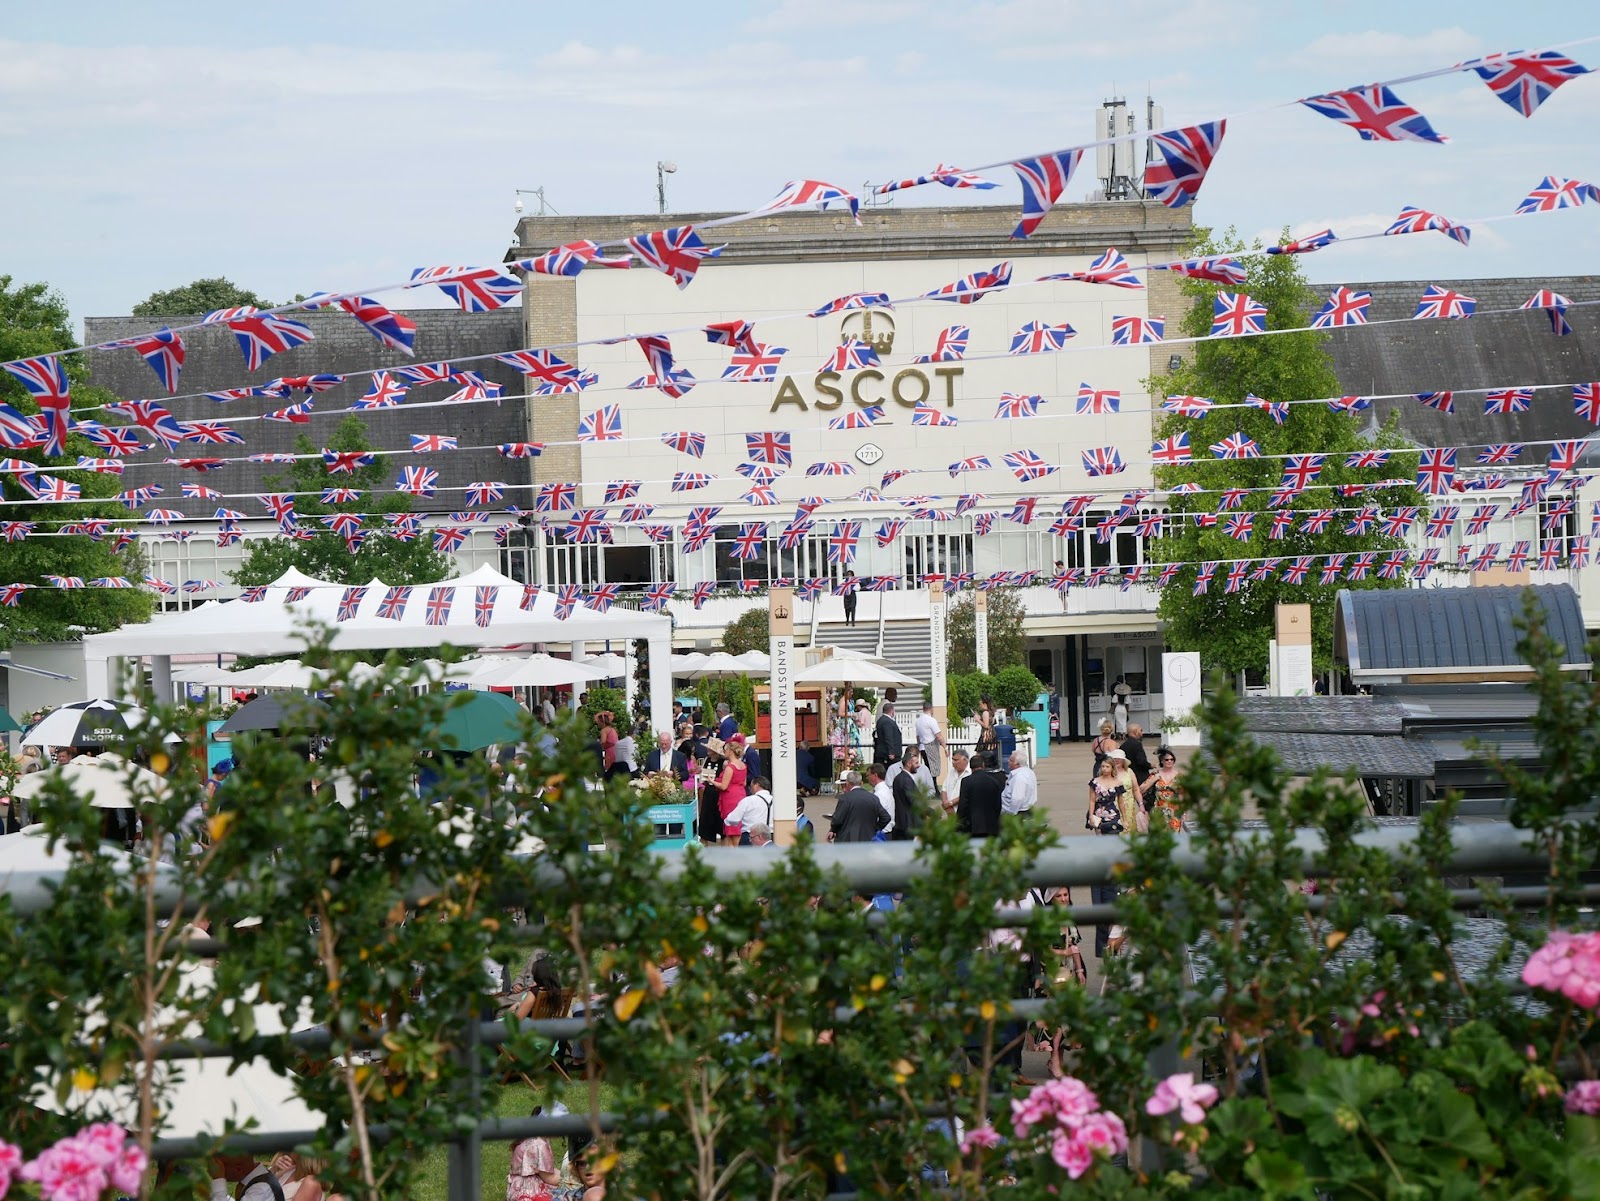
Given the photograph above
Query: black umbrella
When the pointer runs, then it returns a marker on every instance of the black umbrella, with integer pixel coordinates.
(287, 710)
(85, 723)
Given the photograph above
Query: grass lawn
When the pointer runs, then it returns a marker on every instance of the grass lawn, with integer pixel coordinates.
(516, 1101)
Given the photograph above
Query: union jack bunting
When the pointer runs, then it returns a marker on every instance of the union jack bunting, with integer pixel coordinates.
(1564, 455)
(858, 420)
(1295, 573)
(889, 531)
(655, 597)
(1014, 404)
(84, 463)
(1236, 446)
(448, 538)
(1281, 521)
(1277, 410)
(950, 177)
(279, 507)
(801, 193)
(1239, 526)
(1203, 578)
(983, 524)
(1137, 331)
(677, 252)
(199, 492)
(53, 489)
(1301, 471)
(1500, 453)
(1586, 402)
(350, 603)
(392, 606)
(541, 366)
(702, 515)
(16, 531)
(342, 523)
(1110, 268)
(854, 300)
(773, 447)
(620, 490)
(1414, 220)
(1343, 307)
(602, 425)
(1186, 156)
(1555, 305)
(1028, 465)
(1394, 565)
(570, 260)
(115, 440)
(690, 481)
(1264, 570)
(1442, 521)
(1525, 79)
(262, 335)
(1231, 498)
(210, 431)
(1036, 337)
(1099, 400)
(973, 287)
(475, 391)
(600, 600)
(22, 432)
(757, 363)
(483, 598)
(1553, 192)
(1436, 469)
(793, 534)
(930, 416)
(842, 542)
(1171, 449)
(422, 444)
(390, 328)
(427, 373)
(1362, 522)
(1480, 519)
(1218, 268)
(760, 495)
(163, 350)
(1234, 314)
(521, 450)
(1103, 460)
(1549, 555)
(701, 592)
(1348, 404)
(1168, 572)
(1398, 524)
(970, 463)
(76, 581)
(1425, 563)
(1444, 303)
(345, 462)
(296, 414)
(1445, 402)
(1151, 525)
(1332, 568)
(968, 501)
(1580, 550)
(1043, 180)
(1316, 521)
(853, 355)
(690, 442)
(471, 289)
(438, 608)
(1362, 565)
(287, 385)
(583, 525)
(1517, 556)
(949, 347)
(1508, 400)
(1375, 113)
(1187, 406)
(485, 492)
(747, 543)
(1235, 578)
(46, 381)
(417, 481)
(830, 468)
(1306, 244)
(741, 335)
(657, 350)
(657, 533)
(567, 598)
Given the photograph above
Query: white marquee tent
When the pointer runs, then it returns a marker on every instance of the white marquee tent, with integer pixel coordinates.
(275, 625)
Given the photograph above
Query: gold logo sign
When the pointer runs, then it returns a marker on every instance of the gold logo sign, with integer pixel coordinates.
(874, 327)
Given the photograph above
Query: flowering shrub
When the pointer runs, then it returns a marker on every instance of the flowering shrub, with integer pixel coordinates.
(80, 1167)
(1568, 964)
(1064, 1118)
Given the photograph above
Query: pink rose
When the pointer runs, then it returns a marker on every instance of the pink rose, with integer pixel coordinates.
(1072, 1154)
(1180, 1092)
(1584, 1098)
(981, 1136)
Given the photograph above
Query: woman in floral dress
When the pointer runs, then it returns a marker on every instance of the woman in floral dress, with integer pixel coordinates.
(534, 1174)
(1162, 786)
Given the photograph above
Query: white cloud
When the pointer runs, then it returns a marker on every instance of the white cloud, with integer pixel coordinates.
(1375, 48)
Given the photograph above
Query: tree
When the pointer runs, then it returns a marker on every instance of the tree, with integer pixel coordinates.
(34, 321)
(201, 296)
(1005, 632)
(747, 632)
(1232, 630)
(326, 555)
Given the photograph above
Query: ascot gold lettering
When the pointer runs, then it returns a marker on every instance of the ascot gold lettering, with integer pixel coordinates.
(948, 374)
(831, 396)
(788, 394)
(855, 387)
(910, 373)
(825, 383)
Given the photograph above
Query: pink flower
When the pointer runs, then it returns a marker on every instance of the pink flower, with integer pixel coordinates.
(68, 1171)
(1066, 1100)
(10, 1165)
(1584, 1098)
(103, 1141)
(127, 1173)
(981, 1136)
(1569, 964)
(1180, 1092)
(1072, 1154)
(1104, 1132)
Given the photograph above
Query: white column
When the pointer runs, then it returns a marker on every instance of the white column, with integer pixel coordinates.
(660, 651)
(161, 678)
(96, 675)
(784, 752)
(980, 626)
(577, 649)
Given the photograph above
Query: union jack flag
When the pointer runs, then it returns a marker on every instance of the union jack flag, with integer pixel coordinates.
(842, 542)
(832, 467)
(1564, 455)
(656, 596)
(390, 328)
(1028, 465)
(1549, 555)
(1137, 331)
(1240, 526)
(417, 481)
(1236, 574)
(1301, 471)
(1445, 402)
(422, 444)
(16, 531)
(854, 300)
(674, 252)
(1343, 307)
(84, 463)
(567, 598)
(1442, 521)
(755, 363)
(889, 531)
(342, 523)
(748, 541)
(1444, 303)
(1332, 567)
(1236, 446)
(448, 538)
(345, 462)
(1436, 469)
(950, 177)
(279, 506)
(571, 258)
(1316, 521)
(690, 442)
(1580, 550)
(1203, 578)
(1348, 404)
(701, 592)
(473, 290)
(1555, 305)
(1187, 406)
(542, 366)
(798, 193)
(297, 414)
(738, 334)
(1168, 572)
(1362, 522)
(1103, 460)
(1110, 268)
(1043, 180)
(657, 533)
(971, 463)
(485, 492)
(1099, 400)
(1277, 410)
(1553, 192)
(475, 391)
(46, 381)
(287, 385)
(620, 490)
(1295, 573)
(210, 431)
(350, 603)
(1586, 402)
(1425, 563)
(1517, 556)
(1151, 525)
(1398, 524)
(1218, 268)
(1234, 314)
(1525, 80)
(262, 335)
(930, 416)
(851, 356)
(199, 492)
(968, 501)
(859, 420)
(1036, 337)
(702, 515)
(1264, 571)
(75, 581)
(600, 600)
(1281, 521)
(793, 534)
(438, 610)
(1362, 565)
(1394, 565)
(1500, 453)
(770, 447)
(427, 373)
(1508, 400)
(690, 481)
(1231, 498)
(1186, 156)
(1306, 244)
(1414, 220)
(1014, 404)
(51, 488)
(483, 598)
(393, 604)
(116, 440)
(760, 494)
(604, 424)
(163, 350)
(585, 525)
(983, 524)
(1480, 519)
(1375, 113)
(974, 287)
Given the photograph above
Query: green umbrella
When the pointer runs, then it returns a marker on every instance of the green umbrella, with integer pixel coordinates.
(482, 718)
(7, 723)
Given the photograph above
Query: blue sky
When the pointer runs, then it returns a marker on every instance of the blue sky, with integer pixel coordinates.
(319, 147)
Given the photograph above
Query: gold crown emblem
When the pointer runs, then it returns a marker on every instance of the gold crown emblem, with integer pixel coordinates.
(878, 334)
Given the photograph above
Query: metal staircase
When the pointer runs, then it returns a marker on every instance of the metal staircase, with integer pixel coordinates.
(905, 643)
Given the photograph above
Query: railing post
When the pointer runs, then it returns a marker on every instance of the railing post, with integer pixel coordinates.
(1165, 1059)
(466, 1148)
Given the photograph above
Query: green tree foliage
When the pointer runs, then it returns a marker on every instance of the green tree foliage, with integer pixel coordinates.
(34, 321)
(744, 705)
(1005, 631)
(325, 554)
(747, 632)
(201, 296)
(1232, 630)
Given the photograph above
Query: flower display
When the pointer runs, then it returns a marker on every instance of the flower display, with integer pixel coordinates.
(1180, 1092)
(1568, 964)
(1068, 1113)
(1584, 1098)
(79, 1168)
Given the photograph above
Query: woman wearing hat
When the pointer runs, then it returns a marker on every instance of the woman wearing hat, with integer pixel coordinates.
(730, 784)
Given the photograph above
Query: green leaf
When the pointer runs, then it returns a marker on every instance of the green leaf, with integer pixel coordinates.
(1452, 1120)
(1279, 1176)
(1479, 1055)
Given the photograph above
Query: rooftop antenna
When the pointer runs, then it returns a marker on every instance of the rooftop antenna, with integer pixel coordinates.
(664, 168)
(871, 199)
(545, 210)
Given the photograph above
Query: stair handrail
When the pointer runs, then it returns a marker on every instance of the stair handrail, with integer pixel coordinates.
(881, 619)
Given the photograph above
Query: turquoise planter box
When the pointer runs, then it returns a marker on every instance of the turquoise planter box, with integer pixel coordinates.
(216, 751)
(1039, 719)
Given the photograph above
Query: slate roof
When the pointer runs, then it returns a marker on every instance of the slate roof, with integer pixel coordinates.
(1322, 714)
(1370, 755)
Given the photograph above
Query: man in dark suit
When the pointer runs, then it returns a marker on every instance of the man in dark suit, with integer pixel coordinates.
(886, 742)
(978, 810)
(858, 815)
(665, 758)
(1133, 747)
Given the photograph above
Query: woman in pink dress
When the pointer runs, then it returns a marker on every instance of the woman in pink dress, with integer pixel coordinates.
(731, 784)
(534, 1172)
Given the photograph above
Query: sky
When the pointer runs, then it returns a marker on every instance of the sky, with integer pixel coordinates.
(337, 146)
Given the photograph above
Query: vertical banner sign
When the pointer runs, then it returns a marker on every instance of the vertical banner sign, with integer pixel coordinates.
(780, 627)
(938, 662)
(980, 628)
(1294, 675)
